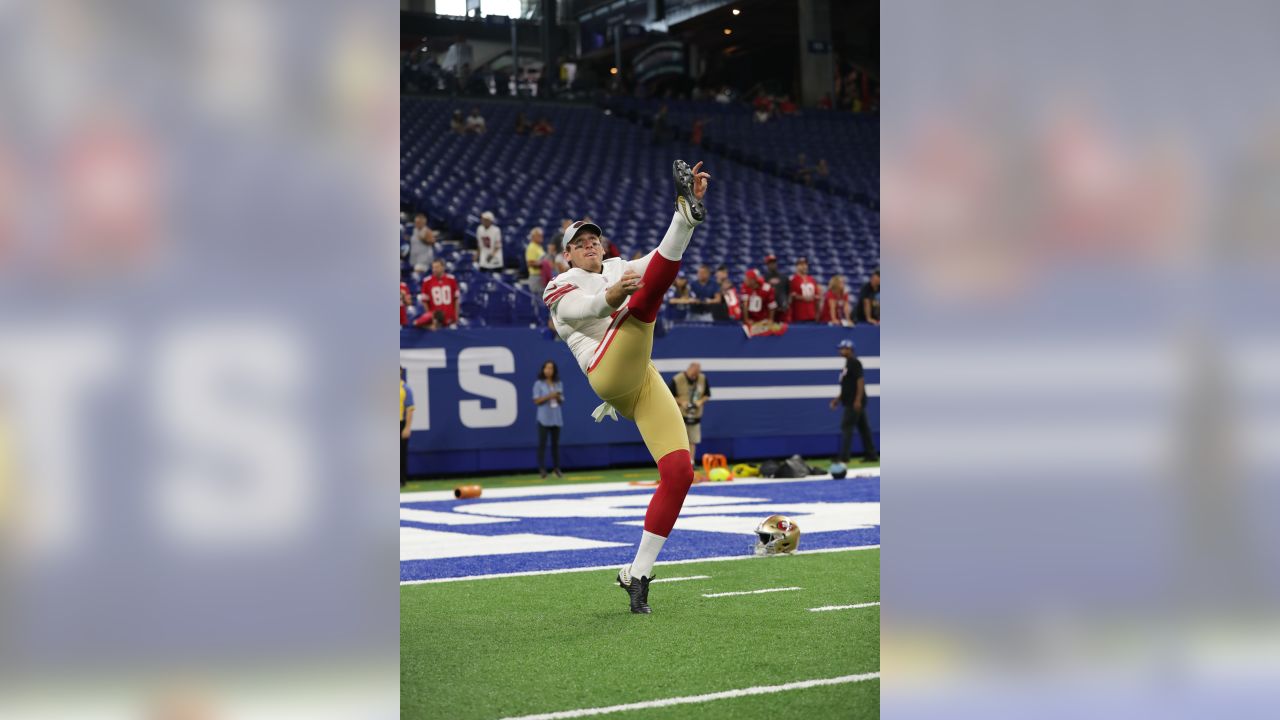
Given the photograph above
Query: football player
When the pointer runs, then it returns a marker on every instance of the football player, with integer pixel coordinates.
(605, 310)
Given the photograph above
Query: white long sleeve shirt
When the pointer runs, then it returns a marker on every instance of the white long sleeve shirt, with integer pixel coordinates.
(579, 312)
(490, 242)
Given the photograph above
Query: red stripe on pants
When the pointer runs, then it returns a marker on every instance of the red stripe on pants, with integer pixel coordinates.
(676, 475)
(644, 303)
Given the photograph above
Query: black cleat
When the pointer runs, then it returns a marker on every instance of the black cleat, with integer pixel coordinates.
(637, 589)
(689, 206)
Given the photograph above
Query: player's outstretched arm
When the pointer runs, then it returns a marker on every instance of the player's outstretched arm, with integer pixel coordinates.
(571, 304)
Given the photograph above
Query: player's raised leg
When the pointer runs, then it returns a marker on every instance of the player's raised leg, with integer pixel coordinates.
(665, 263)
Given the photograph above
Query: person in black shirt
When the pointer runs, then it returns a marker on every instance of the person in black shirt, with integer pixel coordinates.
(853, 396)
(869, 300)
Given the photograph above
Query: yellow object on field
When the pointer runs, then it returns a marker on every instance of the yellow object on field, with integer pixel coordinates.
(720, 474)
(745, 470)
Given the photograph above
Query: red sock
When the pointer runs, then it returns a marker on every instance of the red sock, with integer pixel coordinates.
(644, 303)
(677, 475)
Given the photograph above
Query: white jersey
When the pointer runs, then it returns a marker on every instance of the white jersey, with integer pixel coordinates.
(579, 311)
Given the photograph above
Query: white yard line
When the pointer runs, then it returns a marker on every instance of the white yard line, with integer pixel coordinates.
(691, 699)
(600, 487)
(770, 558)
(675, 579)
(750, 592)
(824, 608)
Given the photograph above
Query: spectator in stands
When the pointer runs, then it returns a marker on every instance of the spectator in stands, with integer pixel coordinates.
(533, 255)
(730, 307)
(441, 294)
(543, 127)
(660, 126)
(787, 107)
(458, 124)
(558, 263)
(547, 268)
(406, 426)
(778, 284)
(489, 241)
(853, 396)
(759, 302)
(548, 394)
(802, 171)
(422, 244)
(611, 249)
(835, 306)
(722, 274)
(410, 309)
(822, 170)
(637, 255)
(825, 102)
(475, 122)
(695, 134)
(707, 294)
(680, 298)
(869, 300)
(458, 59)
(763, 105)
(803, 290)
(692, 391)
(522, 125)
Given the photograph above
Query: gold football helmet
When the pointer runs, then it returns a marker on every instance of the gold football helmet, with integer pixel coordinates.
(777, 534)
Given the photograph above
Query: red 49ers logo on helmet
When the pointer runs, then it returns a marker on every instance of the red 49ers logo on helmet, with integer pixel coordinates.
(784, 525)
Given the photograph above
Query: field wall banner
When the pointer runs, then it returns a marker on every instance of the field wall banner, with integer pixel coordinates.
(769, 395)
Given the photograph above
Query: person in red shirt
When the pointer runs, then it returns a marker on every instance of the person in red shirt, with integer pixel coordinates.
(441, 293)
(835, 306)
(729, 296)
(758, 302)
(804, 294)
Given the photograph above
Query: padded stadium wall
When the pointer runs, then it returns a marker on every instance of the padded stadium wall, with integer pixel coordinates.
(475, 413)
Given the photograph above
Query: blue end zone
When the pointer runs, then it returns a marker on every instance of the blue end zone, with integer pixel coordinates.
(684, 544)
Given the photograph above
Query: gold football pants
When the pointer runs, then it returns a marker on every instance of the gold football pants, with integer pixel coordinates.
(623, 375)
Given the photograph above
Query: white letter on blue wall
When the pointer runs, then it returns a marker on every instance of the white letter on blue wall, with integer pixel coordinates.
(416, 364)
(473, 381)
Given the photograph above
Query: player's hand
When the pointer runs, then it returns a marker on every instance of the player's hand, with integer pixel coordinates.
(626, 285)
(404, 434)
(857, 406)
(833, 402)
(699, 181)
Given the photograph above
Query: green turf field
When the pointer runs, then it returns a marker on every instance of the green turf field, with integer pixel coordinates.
(514, 646)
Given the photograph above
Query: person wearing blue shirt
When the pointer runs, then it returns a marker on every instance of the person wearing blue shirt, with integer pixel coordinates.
(548, 395)
(406, 424)
(706, 293)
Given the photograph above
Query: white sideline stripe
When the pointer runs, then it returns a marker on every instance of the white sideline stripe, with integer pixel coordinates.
(835, 362)
(844, 607)
(750, 592)
(690, 699)
(561, 571)
(585, 488)
(678, 579)
(784, 392)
